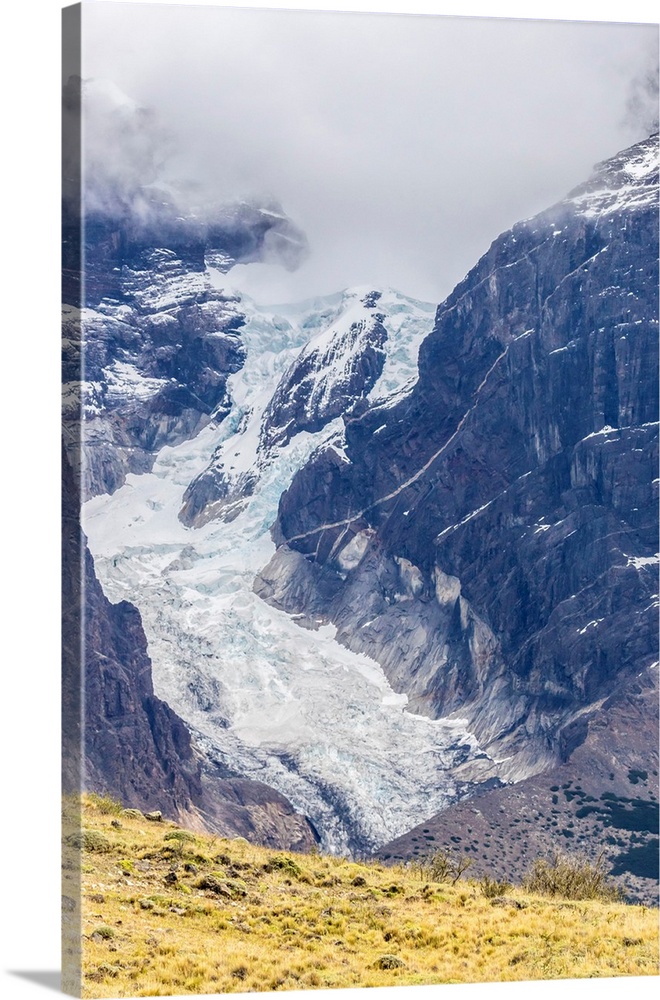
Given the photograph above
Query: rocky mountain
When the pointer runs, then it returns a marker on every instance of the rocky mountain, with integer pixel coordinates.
(347, 355)
(490, 538)
(147, 351)
(260, 695)
(141, 275)
(457, 599)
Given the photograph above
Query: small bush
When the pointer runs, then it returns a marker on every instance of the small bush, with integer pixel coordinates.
(443, 866)
(570, 878)
(389, 962)
(180, 838)
(201, 859)
(103, 931)
(132, 814)
(181, 835)
(283, 863)
(89, 840)
(491, 888)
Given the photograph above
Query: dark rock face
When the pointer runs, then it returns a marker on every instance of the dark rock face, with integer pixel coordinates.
(491, 540)
(219, 235)
(134, 743)
(130, 743)
(156, 360)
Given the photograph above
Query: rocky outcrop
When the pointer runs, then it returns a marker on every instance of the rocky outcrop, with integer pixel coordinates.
(491, 537)
(330, 375)
(156, 363)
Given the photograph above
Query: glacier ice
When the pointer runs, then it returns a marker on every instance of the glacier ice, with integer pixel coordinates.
(271, 700)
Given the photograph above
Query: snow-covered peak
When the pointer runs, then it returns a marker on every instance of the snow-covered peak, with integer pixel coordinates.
(627, 181)
(307, 364)
(338, 328)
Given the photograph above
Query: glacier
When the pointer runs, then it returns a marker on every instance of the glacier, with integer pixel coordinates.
(263, 696)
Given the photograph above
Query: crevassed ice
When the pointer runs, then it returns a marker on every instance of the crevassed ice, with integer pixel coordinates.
(276, 702)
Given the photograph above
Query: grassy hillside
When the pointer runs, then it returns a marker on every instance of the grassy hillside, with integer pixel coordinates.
(167, 911)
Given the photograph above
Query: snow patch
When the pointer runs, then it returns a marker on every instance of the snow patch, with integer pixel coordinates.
(639, 561)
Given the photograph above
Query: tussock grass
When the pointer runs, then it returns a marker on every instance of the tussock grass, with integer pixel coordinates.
(292, 921)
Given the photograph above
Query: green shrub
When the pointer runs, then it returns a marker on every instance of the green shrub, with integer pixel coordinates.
(570, 878)
(181, 835)
(104, 932)
(283, 863)
(88, 840)
(180, 838)
(389, 962)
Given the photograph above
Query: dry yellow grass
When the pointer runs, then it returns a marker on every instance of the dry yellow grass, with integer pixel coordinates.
(209, 915)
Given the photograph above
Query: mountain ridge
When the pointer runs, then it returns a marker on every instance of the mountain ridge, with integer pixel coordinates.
(527, 422)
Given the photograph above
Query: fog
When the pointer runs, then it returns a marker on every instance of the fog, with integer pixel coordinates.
(401, 145)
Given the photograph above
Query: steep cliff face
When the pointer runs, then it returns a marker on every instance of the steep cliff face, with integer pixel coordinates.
(130, 743)
(490, 538)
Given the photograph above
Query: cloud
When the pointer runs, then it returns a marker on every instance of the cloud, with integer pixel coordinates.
(124, 151)
(401, 145)
(642, 104)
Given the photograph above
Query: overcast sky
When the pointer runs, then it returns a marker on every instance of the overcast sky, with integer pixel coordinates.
(401, 145)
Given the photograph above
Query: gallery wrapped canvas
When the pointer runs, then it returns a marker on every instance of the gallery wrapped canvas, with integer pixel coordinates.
(359, 500)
